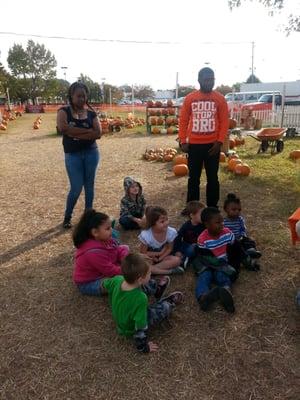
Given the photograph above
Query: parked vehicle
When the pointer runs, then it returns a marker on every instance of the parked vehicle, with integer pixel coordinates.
(237, 99)
(266, 100)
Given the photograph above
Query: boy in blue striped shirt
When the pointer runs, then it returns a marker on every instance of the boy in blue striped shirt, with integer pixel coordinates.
(244, 248)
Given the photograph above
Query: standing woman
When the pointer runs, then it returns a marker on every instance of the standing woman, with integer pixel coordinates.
(80, 127)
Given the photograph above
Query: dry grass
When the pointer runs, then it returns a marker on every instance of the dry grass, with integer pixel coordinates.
(56, 344)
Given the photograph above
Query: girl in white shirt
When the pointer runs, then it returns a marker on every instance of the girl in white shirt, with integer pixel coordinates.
(157, 242)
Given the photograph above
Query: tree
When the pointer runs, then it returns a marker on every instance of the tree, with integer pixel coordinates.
(293, 23)
(4, 78)
(184, 90)
(253, 79)
(94, 88)
(143, 92)
(236, 86)
(116, 93)
(224, 89)
(35, 65)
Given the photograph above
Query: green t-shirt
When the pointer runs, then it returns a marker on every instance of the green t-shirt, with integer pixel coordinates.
(129, 308)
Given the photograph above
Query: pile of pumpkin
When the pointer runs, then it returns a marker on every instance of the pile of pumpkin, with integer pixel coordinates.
(160, 154)
(114, 124)
(169, 130)
(236, 141)
(37, 123)
(235, 164)
(8, 116)
(295, 155)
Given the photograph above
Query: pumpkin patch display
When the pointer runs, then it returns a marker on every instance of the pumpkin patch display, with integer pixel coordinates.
(295, 154)
(160, 154)
(242, 169)
(180, 170)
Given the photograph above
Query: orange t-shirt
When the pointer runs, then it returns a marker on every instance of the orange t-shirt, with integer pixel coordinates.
(203, 118)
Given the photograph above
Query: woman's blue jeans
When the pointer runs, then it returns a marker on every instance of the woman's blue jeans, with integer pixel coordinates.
(81, 168)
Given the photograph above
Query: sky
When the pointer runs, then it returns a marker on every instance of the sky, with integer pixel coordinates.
(200, 32)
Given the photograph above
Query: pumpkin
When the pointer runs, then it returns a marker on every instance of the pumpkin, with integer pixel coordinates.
(169, 121)
(242, 140)
(36, 126)
(242, 169)
(232, 123)
(170, 103)
(180, 159)
(153, 121)
(171, 111)
(231, 143)
(150, 103)
(175, 121)
(295, 154)
(158, 104)
(155, 131)
(180, 170)
(170, 131)
(3, 127)
(152, 112)
(160, 121)
(158, 113)
(238, 141)
(233, 162)
(168, 157)
(222, 157)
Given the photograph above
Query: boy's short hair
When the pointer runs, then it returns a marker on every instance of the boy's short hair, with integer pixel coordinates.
(208, 213)
(193, 207)
(134, 266)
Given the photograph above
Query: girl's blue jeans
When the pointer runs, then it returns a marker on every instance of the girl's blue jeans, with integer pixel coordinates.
(81, 168)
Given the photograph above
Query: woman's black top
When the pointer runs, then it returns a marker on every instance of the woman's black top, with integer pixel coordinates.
(72, 145)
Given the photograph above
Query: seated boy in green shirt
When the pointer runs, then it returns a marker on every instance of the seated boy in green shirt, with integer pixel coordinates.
(129, 303)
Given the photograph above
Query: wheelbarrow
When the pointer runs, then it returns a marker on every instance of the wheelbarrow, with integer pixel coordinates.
(270, 138)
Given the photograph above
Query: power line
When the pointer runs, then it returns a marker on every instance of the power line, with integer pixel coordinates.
(116, 40)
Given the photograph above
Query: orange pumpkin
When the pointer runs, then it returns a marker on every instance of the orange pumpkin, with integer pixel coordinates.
(36, 126)
(3, 127)
(158, 113)
(160, 121)
(170, 130)
(158, 104)
(152, 112)
(169, 121)
(171, 111)
(295, 154)
(155, 131)
(238, 141)
(153, 121)
(180, 159)
(180, 170)
(242, 141)
(170, 103)
(242, 169)
(232, 123)
(231, 143)
(233, 163)
(168, 157)
(222, 157)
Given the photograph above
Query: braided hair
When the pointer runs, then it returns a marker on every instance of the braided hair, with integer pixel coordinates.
(73, 88)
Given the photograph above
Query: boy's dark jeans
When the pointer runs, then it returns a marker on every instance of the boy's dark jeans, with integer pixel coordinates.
(198, 156)
(127, 223)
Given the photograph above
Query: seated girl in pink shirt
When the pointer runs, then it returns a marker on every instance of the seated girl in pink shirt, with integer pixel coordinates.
(98, 255)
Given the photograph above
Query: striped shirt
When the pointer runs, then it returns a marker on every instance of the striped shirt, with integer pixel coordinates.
(237, 226)
(217, 245)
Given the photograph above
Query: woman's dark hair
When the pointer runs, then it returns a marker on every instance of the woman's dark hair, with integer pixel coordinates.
(73, 88)
(231, 198)
(153, 214)
(208, 213)
(89, 220)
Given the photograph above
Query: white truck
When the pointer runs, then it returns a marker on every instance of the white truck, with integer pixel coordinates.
(291, 89)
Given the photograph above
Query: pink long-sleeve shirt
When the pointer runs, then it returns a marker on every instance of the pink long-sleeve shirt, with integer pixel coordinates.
(96, 260)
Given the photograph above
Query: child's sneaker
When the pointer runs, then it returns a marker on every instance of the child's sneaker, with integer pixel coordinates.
(226, 299)
(207, 299)
(253, 253)
(186, 263)
(162, 284)
(177, 270)
(174, 298)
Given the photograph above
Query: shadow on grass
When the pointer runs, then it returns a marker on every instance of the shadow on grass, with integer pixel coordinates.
(41, 137)
(32, 243)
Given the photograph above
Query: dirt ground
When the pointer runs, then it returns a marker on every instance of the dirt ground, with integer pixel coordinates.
(57, 344)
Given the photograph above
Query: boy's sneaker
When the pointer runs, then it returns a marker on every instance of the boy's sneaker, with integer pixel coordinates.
(226, 299)
(253, 253)
(162, 284)
(185, 263)
(177, 270)
(174, 298)
(251, 264)
(207, 299)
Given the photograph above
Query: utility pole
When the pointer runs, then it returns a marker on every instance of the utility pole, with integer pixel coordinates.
(252, 62)
(65, 72)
